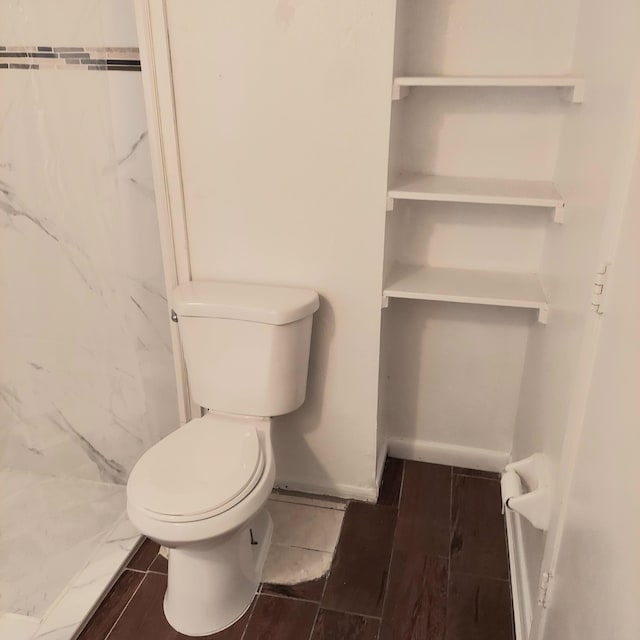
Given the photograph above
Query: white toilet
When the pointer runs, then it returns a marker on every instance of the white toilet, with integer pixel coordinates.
(201, 491)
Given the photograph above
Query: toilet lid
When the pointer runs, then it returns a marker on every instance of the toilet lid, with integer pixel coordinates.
(199, 470)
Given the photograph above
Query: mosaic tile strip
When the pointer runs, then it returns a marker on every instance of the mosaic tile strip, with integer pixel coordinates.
(71, 58)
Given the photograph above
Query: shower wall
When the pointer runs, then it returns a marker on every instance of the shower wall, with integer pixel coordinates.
(86, 374)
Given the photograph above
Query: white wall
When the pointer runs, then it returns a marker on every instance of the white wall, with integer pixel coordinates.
(597, 590)
(451, 373)
(86, 379)
(590, 171)
(283, 118)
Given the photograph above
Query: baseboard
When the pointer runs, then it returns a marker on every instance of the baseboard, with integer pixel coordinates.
(346, 491)
(382, 457)
(450, 454)
(520, 590)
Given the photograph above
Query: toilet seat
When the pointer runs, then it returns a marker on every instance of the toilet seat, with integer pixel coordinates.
(199, 471)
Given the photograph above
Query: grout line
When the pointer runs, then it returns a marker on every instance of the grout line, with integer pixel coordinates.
(479, 575)
(133, 595)
(335, 551)
(353, 613)
(251, 610)
(513, 611)
(342, 507)
(451, 530)
(468, 475)
(401, 484)
(315, 619)
(391, 555)
(295, 546)
(285, 597)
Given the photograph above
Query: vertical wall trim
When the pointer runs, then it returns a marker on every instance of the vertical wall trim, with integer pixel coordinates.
(155, 57)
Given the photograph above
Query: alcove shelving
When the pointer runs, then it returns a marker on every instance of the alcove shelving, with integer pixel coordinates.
(526, 193)
(467, 286)
(573, 86)
(471, 286)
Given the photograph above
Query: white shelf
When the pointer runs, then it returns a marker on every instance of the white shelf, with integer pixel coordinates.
(467, 286)
(527, 193)
(573, 86)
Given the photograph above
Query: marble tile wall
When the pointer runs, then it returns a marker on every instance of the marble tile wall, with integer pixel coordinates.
(86, 374)
(86, 370)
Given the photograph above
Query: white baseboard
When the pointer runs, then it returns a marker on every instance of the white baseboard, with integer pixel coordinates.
(520, 590)
(349, 492)
(450, 454)
(382, 457)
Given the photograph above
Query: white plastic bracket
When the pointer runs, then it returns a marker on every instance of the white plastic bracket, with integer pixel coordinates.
(558, 214)
(574, 93)
(398, 92)
(385, 302)
(390, 203)
(599, 288)
(533, 500)
(543, 314)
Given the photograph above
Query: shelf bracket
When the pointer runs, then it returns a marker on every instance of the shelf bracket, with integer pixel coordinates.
(398, 92)
(574, 93)
(385, 302)
(558, 214)
(390, 202)
(543, 314)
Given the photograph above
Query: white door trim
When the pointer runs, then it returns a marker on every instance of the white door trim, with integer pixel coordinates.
(614, 219)
(155, 57)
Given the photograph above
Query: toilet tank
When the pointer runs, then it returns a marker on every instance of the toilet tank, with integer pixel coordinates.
(246, 346)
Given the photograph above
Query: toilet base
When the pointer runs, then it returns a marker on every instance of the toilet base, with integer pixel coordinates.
(212, 583)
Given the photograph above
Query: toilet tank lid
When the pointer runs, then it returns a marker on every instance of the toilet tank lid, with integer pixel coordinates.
(240, 301)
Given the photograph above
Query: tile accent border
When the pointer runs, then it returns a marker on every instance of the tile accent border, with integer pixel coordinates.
(70, 58)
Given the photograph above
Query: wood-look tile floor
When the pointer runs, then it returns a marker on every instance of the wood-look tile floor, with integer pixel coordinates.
(427, 562)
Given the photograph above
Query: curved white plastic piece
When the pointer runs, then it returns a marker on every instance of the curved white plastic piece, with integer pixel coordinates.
(176, 534)
(267, 304)
(526, 489)
(215, 565)
(199, 470)
(211, 584)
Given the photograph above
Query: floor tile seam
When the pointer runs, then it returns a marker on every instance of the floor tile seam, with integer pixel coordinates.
(382, 506)
(468, 475)
(352, 613)
(295, 546)
(471, 574)
(393, 548)
(251, 609)
(157, 573)
(451, 527)
(286, 597)
(310, 496)
(310, 506)
(510, 577)
(133, 595)
(391, 556)
(315, 620)
(333, 557)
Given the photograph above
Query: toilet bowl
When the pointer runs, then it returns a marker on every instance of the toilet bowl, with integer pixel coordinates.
(201, 492)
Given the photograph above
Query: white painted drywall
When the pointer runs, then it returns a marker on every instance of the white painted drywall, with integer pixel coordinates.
(597, 585)
(590, 171)
(451, 374)
(283, 117)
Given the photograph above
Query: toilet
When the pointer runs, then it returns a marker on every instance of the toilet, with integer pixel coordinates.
(202, 490)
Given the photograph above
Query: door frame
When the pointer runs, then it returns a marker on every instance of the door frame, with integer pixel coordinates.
(155, 57)
(614, 220)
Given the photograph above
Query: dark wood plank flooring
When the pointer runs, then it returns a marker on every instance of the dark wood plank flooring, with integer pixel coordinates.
(428, 562)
